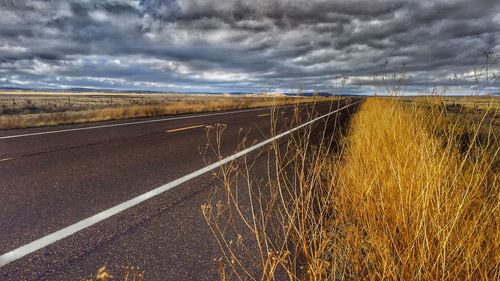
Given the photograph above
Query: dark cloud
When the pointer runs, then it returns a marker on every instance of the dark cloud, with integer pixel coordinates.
(243, 45)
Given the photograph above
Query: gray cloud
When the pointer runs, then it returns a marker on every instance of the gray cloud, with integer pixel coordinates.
(245, 45)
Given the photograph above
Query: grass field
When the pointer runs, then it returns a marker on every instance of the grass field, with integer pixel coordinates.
(478, 103)
(35, 109)
(417, 195)
(410, 193)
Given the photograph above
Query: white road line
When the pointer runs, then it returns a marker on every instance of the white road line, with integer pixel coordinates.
(6, 159)
(85, 223)
(136, 123)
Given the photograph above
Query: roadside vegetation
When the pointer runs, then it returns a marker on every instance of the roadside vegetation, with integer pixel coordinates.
(51, 110)
(411, 192)
(416, 196)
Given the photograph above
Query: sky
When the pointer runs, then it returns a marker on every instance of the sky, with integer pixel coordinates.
(337, 46)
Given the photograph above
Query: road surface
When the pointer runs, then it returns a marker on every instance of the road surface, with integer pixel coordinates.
(51, 178)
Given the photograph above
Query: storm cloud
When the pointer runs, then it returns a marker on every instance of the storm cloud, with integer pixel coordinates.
(245, 45)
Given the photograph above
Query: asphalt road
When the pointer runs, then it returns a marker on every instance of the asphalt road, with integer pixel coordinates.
(51, 180)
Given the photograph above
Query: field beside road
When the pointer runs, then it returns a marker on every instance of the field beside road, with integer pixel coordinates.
(410, 193)
(36, 109)
(479, 103)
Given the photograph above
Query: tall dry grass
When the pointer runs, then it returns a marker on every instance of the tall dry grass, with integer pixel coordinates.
(412, 202)
(409, 194)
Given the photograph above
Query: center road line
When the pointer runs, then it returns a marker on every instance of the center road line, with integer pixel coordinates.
(140, 122)
(85, 223)
(262, 115)
(184, 128)
(6, 159)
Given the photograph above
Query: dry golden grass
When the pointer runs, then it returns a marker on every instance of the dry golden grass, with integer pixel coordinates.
(9, 121)
(411, 202)
(410, 194)
(469, 103)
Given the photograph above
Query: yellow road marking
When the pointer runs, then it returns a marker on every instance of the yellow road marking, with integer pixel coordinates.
(261, 115)
(185, 128)
(6, 159)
